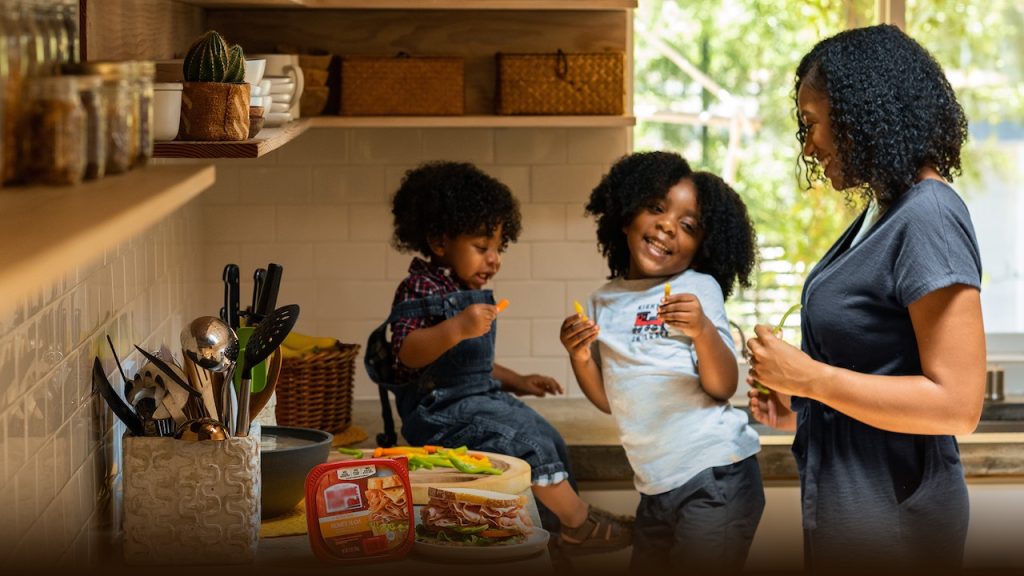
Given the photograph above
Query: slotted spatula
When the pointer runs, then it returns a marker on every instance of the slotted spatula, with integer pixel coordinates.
(267, 337)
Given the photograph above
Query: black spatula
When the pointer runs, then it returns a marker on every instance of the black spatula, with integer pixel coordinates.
(120, 409)
(268, 335)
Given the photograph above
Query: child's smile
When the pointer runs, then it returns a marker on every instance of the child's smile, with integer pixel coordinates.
(664, 237)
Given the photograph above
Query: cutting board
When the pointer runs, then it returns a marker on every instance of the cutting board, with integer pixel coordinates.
(514, 479)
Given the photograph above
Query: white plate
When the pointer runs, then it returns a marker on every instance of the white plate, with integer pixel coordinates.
(535, 543)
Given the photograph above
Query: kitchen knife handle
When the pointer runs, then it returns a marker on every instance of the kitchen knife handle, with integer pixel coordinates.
(268, 293)
(258, 279)
(231, 286)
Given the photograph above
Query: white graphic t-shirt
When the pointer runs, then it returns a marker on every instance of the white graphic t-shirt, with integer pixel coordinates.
(669, 426)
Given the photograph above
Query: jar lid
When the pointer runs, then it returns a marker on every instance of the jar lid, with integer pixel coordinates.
(169, 86)
(87, 81)
(145, 68)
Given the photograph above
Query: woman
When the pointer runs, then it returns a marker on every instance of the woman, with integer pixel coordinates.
(893, 349)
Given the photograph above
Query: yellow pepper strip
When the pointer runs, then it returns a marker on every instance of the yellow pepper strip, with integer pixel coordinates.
(502, 304)
(668, 289)
(579, 310)
(777, 330)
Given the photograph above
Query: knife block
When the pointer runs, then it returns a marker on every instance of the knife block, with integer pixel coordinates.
(191, 502)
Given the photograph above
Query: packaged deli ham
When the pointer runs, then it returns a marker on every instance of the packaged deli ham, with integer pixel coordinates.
(360, 510)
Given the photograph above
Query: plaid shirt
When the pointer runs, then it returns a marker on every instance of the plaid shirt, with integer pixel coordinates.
(425, 279)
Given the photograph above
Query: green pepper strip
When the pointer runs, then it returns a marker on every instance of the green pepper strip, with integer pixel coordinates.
(416, 462)
(468, 468)
(778, 328)
(350, 451)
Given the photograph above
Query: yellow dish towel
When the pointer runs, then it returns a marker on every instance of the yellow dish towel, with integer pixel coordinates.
(291, 524)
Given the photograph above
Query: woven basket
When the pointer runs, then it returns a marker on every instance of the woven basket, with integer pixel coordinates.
(560, 83)
(315, 390)
(402, 86)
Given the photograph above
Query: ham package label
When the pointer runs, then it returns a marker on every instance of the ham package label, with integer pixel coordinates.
(360, 510)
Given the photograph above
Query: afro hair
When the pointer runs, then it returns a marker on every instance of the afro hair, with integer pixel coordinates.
(893, 112)
(727, 252)
(448, 199)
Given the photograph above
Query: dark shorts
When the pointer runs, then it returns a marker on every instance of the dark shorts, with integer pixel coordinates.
(705, 526)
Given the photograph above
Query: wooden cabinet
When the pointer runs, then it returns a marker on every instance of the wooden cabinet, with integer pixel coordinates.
(471, 29)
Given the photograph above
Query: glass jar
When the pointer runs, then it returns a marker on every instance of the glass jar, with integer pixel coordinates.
(144, 72)
(13, 68)
(90, 91)
(57, 124)
(121, 108)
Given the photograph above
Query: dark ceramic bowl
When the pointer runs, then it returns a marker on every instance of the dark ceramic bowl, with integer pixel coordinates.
(286, 456)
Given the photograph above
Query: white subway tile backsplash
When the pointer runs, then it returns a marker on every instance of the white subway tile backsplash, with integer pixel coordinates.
(237, 224)
(275, 185)
(370, 222)
(385, 146)
(312, 223)
(566, 261)
(296, 259)
(597, 145)
(349, 184)
(568, 184)
(530, 146)
(350, 261)
(475, 145)
(393, 176)
(531, 299)
(579, 226)
(398, 264)
(354, 300)
(513, 337)
(316, 146)
(225, 191)
(515, 263)
(544, 338)
(543, 222)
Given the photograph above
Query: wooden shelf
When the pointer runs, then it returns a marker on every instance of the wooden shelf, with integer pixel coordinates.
(422, 4)
(268, 140)
(49, 230)
(472, 121)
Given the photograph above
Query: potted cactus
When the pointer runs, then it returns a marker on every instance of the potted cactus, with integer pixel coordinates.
(215, 96)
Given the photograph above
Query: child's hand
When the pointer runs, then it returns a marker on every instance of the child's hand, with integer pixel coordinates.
(684, 313)
(535, 385)
(476, 320)
(772, 409)
(577, 335)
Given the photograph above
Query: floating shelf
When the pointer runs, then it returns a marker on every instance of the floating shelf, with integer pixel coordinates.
(482, 121)
(50, 229)
(422, 4)
(268, 140)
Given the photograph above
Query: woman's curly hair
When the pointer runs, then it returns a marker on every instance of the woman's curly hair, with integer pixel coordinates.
(893, 110)
(727, 252)
(448, 199)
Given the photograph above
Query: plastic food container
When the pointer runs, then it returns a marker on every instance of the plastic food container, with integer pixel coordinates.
(360, 510)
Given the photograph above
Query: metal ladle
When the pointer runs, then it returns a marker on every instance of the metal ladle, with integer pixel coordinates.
(213, 346)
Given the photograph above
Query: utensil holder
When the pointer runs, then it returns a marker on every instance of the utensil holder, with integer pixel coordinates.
(191, 502)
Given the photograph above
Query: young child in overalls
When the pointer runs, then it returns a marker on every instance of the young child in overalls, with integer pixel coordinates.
(656, 352)
(440, 360)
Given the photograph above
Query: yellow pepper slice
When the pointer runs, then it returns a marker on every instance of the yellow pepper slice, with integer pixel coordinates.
(579, 310)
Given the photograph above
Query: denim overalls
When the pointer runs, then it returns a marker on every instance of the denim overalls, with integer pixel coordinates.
(456, 401)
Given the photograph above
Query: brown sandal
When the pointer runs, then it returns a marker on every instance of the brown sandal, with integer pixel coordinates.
(602, 531)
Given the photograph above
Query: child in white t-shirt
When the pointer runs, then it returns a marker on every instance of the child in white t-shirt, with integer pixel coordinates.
(656, 352)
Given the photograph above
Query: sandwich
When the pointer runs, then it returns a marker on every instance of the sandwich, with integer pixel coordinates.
(388, 504)
(466, 516)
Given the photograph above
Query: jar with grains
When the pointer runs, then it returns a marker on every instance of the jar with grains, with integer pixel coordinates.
(121, 108)
(144, 73)
(57, 128)
(91, 95)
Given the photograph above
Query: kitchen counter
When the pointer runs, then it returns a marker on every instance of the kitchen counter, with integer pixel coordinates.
(996, 450)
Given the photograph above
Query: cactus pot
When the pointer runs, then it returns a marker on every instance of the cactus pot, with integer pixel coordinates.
(214, 111)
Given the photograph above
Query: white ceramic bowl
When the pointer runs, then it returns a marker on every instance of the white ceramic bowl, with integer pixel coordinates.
(280, 107)
(271, 119)
(254, 70)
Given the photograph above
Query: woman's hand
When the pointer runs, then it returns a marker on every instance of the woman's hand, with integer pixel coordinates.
(577, 335)
(534, 385)
(684, 313)
(476, 320)
(780, 366)
(772, 409)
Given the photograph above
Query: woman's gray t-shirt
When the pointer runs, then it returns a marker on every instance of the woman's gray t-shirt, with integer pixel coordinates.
(865, 489)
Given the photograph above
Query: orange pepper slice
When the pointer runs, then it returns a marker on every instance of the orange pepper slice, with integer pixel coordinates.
(502, 304)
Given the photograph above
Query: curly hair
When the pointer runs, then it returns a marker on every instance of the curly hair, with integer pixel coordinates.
(727, 252)
(893, 111)
(448, 199)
